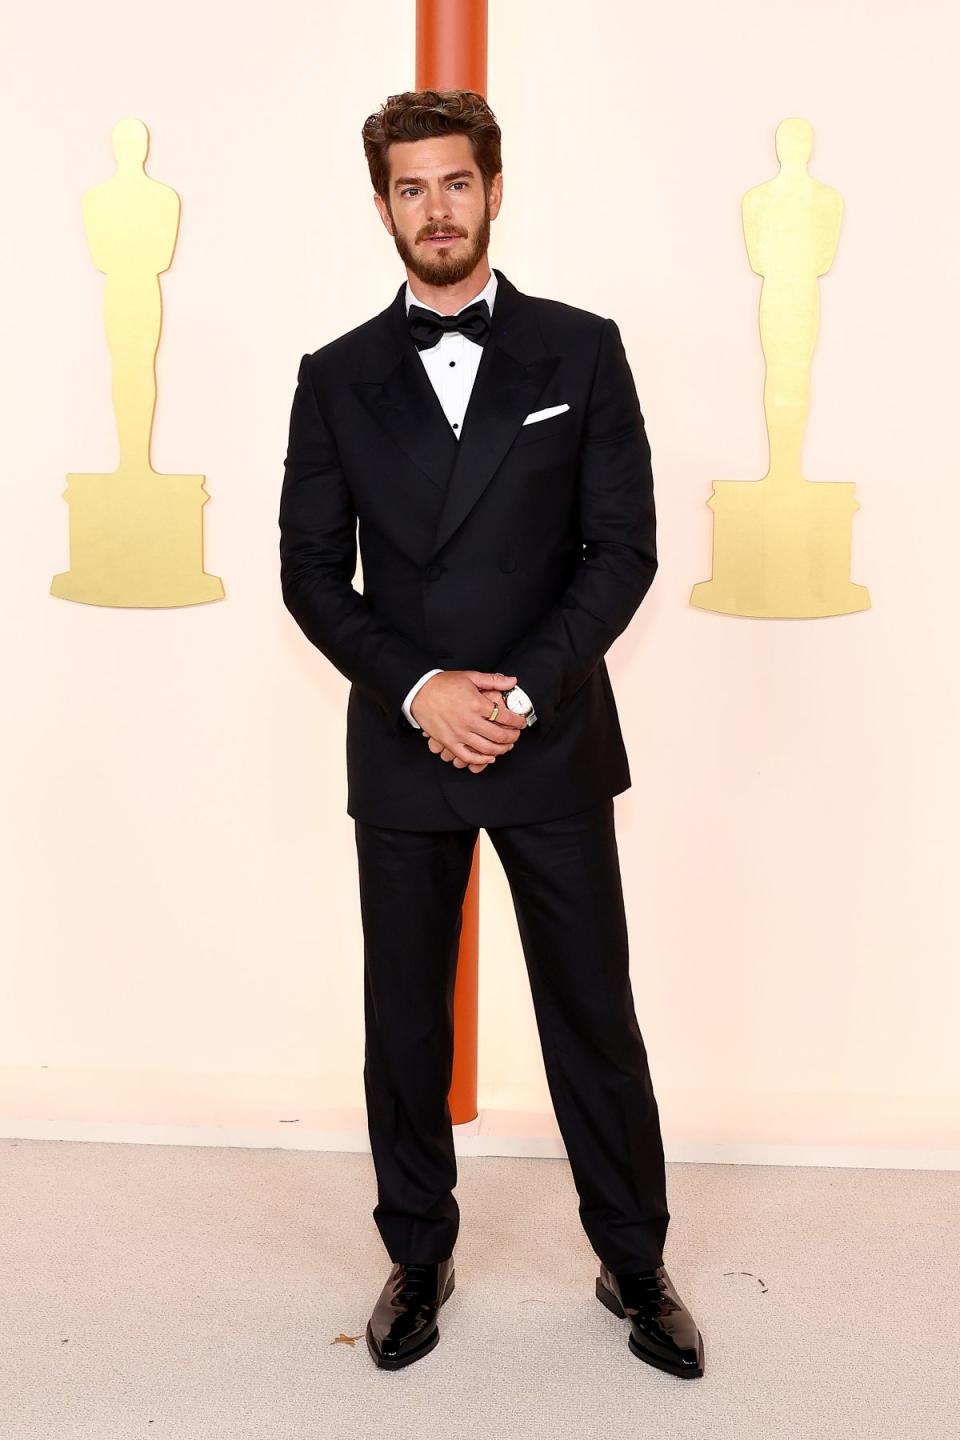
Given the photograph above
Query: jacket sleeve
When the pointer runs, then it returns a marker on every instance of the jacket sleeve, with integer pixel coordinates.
(318, 559)
(618, 534)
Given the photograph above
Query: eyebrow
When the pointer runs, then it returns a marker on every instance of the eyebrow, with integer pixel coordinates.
(419, 179)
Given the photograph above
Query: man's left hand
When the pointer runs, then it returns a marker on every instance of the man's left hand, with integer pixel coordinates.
(445, 754)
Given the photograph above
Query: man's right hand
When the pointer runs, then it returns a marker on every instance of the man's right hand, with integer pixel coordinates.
(452, 709)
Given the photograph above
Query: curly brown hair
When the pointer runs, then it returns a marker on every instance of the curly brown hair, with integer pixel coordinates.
(418, 114)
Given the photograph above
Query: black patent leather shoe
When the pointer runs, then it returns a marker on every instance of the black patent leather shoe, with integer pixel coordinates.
(403, 1326)
(662, 1330)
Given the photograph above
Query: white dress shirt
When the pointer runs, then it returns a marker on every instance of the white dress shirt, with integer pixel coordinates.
(452, 367)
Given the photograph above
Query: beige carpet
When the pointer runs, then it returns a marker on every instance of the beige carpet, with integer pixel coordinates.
(190, 1293)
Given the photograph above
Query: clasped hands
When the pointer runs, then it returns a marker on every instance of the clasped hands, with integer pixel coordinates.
(452, 710)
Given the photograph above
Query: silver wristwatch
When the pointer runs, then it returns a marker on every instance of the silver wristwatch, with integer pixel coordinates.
(520, 703)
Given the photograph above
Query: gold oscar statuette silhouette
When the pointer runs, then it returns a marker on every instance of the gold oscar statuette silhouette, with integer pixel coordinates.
(136, 537)
(781, 545)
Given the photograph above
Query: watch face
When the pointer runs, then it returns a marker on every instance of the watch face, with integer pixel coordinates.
(518, 701)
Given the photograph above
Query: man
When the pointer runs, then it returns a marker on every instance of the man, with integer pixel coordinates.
(490, 448)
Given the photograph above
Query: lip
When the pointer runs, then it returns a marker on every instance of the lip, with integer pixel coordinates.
(440, 239)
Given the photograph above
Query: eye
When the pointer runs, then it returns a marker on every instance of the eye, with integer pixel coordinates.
(412, 189)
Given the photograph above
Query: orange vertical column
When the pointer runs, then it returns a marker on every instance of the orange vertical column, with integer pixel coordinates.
(452, 55)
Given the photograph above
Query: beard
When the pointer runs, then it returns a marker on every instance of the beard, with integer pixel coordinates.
(444, 267)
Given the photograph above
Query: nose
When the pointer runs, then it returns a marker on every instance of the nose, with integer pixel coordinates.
(438, 208)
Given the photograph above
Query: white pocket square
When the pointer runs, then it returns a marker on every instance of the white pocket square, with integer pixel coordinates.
(545, 414)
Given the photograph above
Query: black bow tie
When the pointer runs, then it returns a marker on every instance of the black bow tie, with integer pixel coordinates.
(426, 326)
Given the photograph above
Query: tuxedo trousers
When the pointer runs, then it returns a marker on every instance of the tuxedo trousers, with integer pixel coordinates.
(565, 882)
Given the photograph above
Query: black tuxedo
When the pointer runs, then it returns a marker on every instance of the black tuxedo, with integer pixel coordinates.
(519, 548)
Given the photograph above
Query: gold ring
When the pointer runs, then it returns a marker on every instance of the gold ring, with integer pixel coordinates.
(496, 710)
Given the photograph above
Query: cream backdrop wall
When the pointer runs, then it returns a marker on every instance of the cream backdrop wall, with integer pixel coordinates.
(180, 925)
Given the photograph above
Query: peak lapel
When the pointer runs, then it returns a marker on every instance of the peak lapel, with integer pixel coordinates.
(396, 390)
(512, 373)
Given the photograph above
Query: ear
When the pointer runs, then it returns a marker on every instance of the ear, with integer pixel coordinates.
(384, 213)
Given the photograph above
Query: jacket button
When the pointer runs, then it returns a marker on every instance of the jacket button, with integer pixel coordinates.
(507, 562)
(434, 571)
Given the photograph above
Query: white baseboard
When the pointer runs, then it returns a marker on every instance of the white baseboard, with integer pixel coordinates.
(493, 1132)
(714, 1125)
